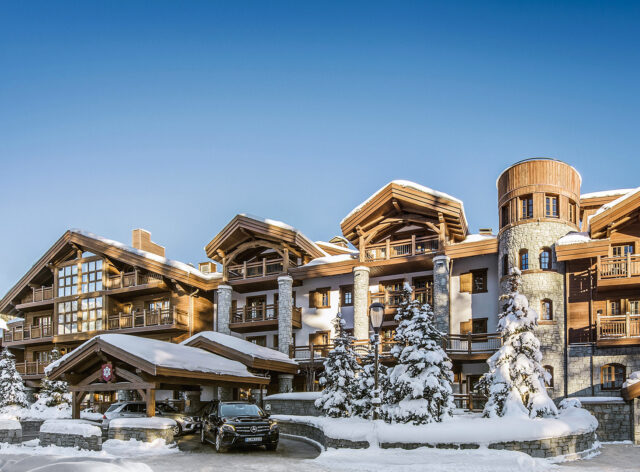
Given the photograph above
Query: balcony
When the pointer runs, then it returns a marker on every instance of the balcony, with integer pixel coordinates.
(618, 330)
(135, 279)
(144, 320)
(31, 369)
(28, 334)
(252, 270)
(618, 271)
(404, 248)
(262, 317)
(391, 300)
(38, 297)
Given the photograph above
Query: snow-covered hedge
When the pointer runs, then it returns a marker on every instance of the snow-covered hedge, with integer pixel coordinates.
(142, 423)
(72, 427)
(9, 424)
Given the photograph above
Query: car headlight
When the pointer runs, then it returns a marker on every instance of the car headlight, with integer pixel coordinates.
(229, 428)
(274, 425)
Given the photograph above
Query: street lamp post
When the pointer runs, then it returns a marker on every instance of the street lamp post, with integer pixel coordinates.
(376, 316)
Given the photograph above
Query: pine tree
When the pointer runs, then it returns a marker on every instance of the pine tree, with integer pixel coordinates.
(419, 385)
(11, 386)
(54, 392)
(365, 385)
(339, 377)
(515, 383)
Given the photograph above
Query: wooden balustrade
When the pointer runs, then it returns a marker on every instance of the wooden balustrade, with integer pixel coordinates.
(26, 332)
(618, 326)
(43, 293)
(475, 343)
(261, 268)
(619, 267)
(31, 367)
(262, 312)
(142, 318)
(407, 247)
(131, 279)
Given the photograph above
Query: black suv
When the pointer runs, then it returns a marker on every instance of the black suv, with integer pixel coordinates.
(230, 424)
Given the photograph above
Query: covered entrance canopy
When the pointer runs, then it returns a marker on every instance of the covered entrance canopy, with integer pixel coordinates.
(111, 362)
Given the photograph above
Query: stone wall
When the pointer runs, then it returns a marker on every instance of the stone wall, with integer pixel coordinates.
(11, 436)
(92, 443)
(573, 446)
(30, 429)
(141, 434)
(292, 407)
(615, 419)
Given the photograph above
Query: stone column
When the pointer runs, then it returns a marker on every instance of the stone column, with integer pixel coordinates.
(441, 292)
(224, 308)
(361, 302)
(285, 313)
(635, 414)
(285, 383)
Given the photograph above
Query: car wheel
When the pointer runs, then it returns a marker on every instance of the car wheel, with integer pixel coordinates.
(219, 446)
(176, 430)
(272, 447)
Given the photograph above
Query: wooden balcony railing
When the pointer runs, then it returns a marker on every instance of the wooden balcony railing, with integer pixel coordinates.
(38, 295)
(250, 270)
(130, 279)
(262, 312)
(26, 332)
(146, 318)
(477, 343)
(618, 326)
(406, 247)
(619, 267)
(31, 367)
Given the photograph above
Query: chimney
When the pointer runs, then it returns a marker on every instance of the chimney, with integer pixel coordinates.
(141, 239)
(487, 231)
(207, 267)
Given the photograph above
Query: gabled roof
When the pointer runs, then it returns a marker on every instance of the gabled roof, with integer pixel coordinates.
(614, 214)
(156, 358)
(335, 249)
(410, 198)
(115, 250)
(244, 228)
(250, 354)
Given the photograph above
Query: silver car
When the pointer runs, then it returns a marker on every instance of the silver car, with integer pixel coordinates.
(185, 424)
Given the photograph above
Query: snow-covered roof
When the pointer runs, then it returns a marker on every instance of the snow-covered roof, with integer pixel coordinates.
(472, 238)
(337, 247)
(574, 237)
(166, 355)
(149, 255)
(408, 184)
(246, 347)
(617, 201)
(15, 320)
(330, 259)
(606, 193)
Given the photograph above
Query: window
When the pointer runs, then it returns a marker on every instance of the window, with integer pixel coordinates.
(504, 215)
(524, 259)
(572, 212)
(614, 307)
(423, 290)
(546, 310)
(320, 298)
(612, 376)
(551, 206)
(68, 317)
(91, 276)
(621, 250)
(474, 281)
(634, 307)
(276, 343)
(479, 325)
(545, 259)
(526, 207)
(346, 295)
(392, 290)
(91, 314)
(258, 340)
(68, 280)
(505, 265)
(548, 381)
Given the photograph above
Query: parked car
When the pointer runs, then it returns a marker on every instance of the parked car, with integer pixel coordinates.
(237, 424)
(185, 424)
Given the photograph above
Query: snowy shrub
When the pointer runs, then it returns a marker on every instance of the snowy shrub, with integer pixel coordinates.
(339, 377)
(419, 386)
(365, 385)
(515, 383)
(570, 403)
(11, 387)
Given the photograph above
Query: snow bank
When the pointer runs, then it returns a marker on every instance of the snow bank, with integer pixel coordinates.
(37, 411)
(136, 448)
(145, 423)
(599, 399)
(468, 428)
(294, 396)
(165, 354)
(330, 259)
(245, 347)
(78, 427)
(10, 424)
(606, 193)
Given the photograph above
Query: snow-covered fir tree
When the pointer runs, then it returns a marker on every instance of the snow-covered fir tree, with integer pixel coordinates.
(419, 385)
(54, 392)
(515, 383)
(365, 385)
(11, 387)
(339, 377)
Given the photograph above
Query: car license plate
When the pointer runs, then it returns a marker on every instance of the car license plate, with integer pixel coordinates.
(253, 439)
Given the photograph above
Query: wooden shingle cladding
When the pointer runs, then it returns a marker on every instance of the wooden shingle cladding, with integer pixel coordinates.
(398, 205)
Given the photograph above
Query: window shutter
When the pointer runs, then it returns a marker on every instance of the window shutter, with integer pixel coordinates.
(465, 327)
(466, 281)
(312, 299)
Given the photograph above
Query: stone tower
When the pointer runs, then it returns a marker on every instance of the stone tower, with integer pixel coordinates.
(538, 203)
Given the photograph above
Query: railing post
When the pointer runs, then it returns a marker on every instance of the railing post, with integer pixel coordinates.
(311, 352)
(597, 326)
(264, 266)
(121, 279)
(388, 248)
(469, 343)
(627, 332)
(413, 244)
(628, 264)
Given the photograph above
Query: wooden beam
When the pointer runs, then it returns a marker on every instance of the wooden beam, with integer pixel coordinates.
(396, 205)
(151, 402)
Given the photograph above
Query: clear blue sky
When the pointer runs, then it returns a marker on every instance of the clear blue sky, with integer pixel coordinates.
(175, 116)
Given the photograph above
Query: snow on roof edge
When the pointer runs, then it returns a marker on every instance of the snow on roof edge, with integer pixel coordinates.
(606, 193)
(616, 202)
